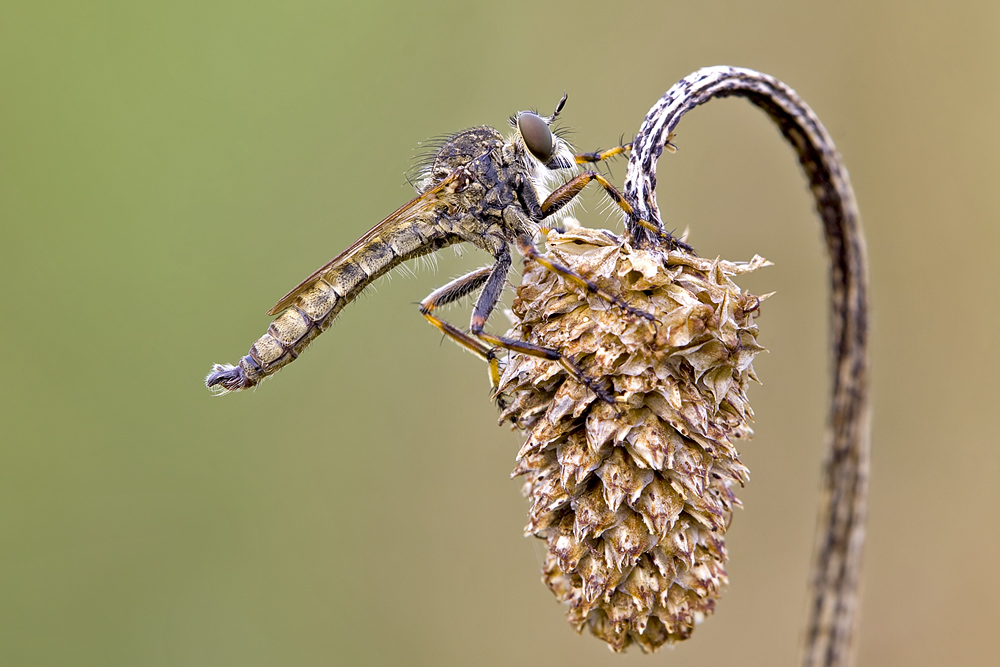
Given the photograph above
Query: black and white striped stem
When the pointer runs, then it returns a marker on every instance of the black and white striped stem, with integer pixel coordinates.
(841, 531)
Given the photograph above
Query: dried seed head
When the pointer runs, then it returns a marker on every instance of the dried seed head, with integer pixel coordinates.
(634, 498)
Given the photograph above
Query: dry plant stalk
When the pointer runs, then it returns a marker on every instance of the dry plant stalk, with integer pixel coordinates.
(633, 498)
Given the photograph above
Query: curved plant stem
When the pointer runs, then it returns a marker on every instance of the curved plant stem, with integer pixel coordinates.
(841, 533)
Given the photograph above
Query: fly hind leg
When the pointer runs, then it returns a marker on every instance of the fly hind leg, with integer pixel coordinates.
(483, 344)
(453, 291)
(487, 302)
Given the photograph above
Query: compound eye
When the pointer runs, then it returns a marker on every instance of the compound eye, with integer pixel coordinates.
(536, 134)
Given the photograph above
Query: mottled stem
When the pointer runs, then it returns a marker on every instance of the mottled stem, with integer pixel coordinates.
(841, 531)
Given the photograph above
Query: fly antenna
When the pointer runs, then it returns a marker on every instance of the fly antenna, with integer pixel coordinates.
(559, 107)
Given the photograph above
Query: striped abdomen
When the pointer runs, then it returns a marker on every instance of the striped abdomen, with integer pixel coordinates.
(317, 303)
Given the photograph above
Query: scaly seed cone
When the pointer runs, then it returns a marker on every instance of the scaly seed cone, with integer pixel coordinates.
(633, 499)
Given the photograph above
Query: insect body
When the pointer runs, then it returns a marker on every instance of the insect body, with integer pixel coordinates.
(480, 189)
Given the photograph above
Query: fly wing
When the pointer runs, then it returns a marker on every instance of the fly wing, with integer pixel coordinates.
(405, 213)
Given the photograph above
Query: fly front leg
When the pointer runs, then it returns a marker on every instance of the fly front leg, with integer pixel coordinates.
(560, 162)
(600, 156)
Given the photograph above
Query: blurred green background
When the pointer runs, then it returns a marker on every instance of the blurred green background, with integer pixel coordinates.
(168, 170)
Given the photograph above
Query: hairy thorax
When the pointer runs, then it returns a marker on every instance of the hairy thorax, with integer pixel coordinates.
(485, 207)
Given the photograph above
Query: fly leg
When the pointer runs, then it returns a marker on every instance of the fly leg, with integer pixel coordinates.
(584, 158)
(454, 291)
(600, 156)
(527, 248)
(560, 162)
(485, 304)
(555, 201)
(483, 344)
(565, 193)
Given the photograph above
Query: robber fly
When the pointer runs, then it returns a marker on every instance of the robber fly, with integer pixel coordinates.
(480, 188)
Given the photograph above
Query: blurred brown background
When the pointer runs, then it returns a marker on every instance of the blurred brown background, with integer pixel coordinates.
(168, 170)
